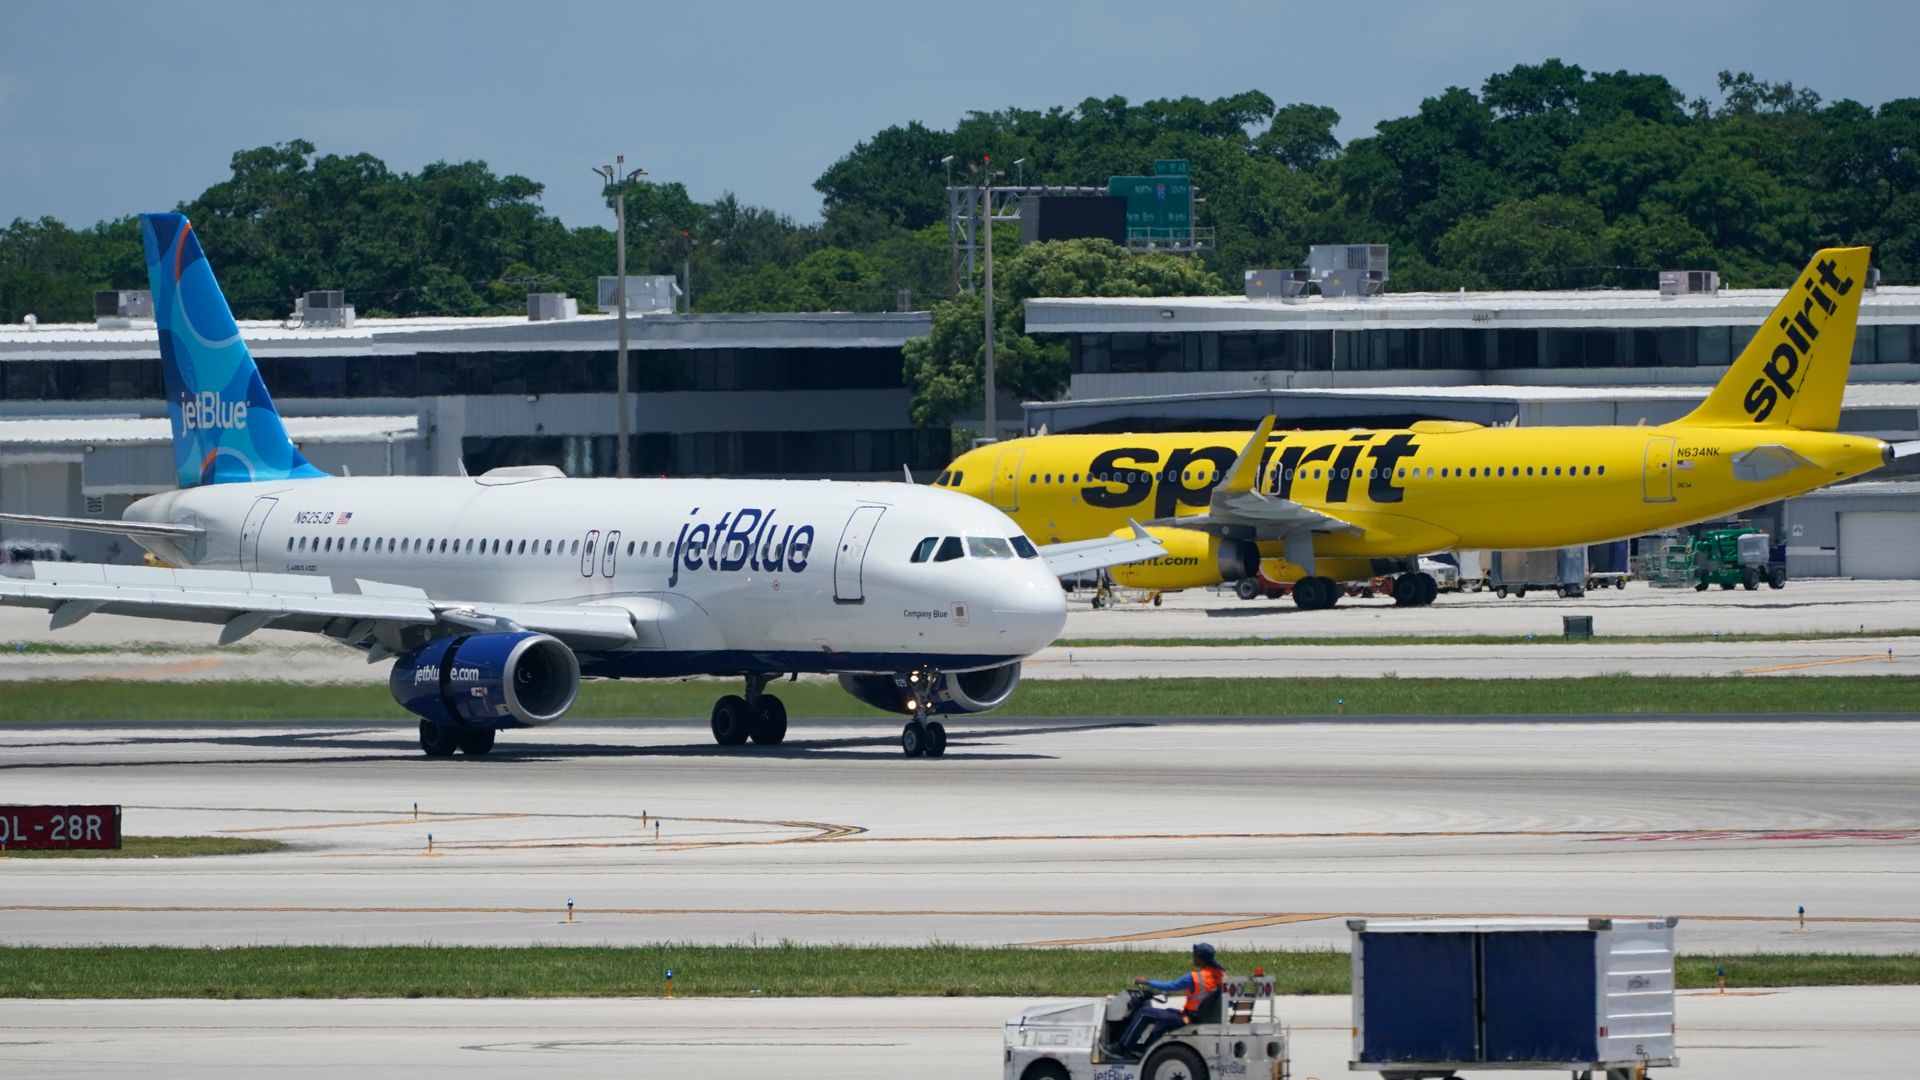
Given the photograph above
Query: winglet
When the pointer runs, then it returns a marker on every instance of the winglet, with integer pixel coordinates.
(1139, 531)
(1244, 473)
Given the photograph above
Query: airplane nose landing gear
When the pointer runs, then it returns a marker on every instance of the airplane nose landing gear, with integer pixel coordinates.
(921, 735)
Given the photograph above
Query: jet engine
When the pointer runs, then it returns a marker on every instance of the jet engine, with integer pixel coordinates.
(1194, 560)
(488, 681)
(961, 692)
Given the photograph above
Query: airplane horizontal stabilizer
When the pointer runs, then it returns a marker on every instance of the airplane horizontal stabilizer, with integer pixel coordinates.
(1906, 449)
(1767, 462)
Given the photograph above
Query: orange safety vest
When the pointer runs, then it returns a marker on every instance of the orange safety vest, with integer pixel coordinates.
(1206, 982)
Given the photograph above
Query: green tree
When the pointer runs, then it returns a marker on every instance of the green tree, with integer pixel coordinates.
(1550, 241)
(945, 368)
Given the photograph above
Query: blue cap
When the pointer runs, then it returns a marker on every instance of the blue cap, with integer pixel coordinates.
(1203, 952)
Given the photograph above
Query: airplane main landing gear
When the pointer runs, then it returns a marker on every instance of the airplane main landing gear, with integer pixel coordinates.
(441, 740)
(758, 716)
(1416, 588)
(1315, 593)
(921, 735)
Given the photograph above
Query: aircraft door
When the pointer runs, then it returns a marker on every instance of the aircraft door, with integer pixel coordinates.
(1006, 480)
(250, 532)
(613, 549)
(586, 553)
(851, 555)
(1657, 479)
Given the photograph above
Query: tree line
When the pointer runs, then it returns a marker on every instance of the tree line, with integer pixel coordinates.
(1548, 176)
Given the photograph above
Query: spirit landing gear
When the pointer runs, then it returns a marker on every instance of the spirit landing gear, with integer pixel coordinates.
(1316, 593)
(921, 735)
(441, 740)
(758, 716)
(1416, 588)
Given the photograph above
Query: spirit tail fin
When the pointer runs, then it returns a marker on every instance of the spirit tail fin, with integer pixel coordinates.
(225, 429)
(1794, 371)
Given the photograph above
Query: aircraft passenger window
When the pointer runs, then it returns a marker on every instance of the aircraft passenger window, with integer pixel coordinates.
(289, 543)
(1503, 470)
(576, 547)
(1586, 470)
(1602, 472)
(924, 549)
(1033, 479)
(1024, 548)
(950, 550)
(629, 549)
(1403, 474)
(989, 547)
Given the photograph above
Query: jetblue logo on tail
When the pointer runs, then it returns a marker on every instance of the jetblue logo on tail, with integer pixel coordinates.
(1799, 332)
(208, 411)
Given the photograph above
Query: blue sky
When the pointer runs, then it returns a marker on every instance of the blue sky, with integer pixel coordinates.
(113, 107)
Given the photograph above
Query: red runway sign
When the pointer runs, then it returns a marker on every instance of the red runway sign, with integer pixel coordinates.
(48, 828)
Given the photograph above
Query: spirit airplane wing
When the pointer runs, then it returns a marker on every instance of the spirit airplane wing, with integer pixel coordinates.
(1083, 555)
(1238, 508)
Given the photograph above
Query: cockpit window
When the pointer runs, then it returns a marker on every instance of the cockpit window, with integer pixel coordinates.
(1025, 548)
(950, 550)
(924, 549)
(941, 480)
(989, 547)
(954, 480)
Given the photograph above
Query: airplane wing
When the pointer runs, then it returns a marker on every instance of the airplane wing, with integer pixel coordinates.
(241, 603)
(1238, 508)
(119, 528)
(1906, 449)
(1083, 555)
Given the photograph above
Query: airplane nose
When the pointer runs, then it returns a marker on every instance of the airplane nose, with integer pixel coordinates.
(1030, 610)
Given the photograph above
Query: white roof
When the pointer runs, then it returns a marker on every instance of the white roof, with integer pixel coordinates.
(120, 431)
(1895, 304)
(368, 336)
(1858, 395)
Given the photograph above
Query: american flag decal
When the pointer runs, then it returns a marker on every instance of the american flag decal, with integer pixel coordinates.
(344, 518)
(1683, 463)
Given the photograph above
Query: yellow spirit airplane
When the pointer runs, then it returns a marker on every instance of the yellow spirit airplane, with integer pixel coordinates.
(1319, 507)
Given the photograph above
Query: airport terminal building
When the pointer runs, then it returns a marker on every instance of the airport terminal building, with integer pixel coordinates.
(83, 429)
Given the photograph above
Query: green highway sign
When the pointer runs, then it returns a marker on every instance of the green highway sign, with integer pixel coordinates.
(1162, 204)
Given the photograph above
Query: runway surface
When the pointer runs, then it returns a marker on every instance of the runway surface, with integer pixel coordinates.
(1109, 832)
(1836, 1034)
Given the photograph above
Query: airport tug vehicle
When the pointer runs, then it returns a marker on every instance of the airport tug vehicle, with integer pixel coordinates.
(1234, 1037)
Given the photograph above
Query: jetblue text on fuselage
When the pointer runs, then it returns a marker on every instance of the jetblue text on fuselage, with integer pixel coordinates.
(208, 411)
(744, 539)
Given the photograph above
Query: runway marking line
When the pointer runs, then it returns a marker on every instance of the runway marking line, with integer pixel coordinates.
(1230, 920)
(1814, 663)
(435, 820)
(1186, 931)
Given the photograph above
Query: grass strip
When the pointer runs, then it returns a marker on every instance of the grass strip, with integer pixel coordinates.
(101, 700)
(162, 847)
(784, 970)
(1402, 640)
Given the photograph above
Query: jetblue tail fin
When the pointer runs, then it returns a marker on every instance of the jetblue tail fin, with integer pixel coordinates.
(1794, 371)
(225, 429)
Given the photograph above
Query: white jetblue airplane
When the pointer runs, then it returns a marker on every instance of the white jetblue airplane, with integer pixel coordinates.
(494, 595)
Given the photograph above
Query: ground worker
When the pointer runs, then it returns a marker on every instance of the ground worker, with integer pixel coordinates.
(1202, 987)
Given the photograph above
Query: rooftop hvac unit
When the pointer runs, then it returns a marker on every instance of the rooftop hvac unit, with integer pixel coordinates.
(1284, 284)
(551, 307)
(119, 305)
(646, 293)
(1873, 279)
(1351, 282)
(1324, 258)
(325, 307)
(1689, 282)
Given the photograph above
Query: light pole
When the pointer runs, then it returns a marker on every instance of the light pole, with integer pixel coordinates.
(617, 178)
(992, 421)
(953, 262)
